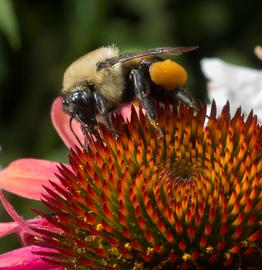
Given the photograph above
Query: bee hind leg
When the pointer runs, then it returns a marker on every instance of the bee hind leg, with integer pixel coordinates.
(182, 95)
(142, 91)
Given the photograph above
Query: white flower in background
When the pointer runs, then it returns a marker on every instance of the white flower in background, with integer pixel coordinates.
(242, 86)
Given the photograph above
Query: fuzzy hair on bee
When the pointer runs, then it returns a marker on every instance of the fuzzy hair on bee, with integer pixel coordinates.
(101, 80)
(83, 71)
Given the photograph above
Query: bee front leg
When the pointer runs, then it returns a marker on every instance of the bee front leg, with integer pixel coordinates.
(74, 133)
(142, 91)
(102, 109)
(86, 133)
(90, 132)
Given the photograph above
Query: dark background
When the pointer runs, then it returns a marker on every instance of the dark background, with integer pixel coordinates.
(39, 39)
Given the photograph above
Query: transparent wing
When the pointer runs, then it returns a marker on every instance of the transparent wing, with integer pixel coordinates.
(157, 51)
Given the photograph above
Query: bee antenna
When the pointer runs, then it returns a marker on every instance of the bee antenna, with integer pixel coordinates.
(72, 130)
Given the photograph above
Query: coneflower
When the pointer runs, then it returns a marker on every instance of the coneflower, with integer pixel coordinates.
(192, 199)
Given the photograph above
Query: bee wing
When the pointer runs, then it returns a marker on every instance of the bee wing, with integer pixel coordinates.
(157, 51)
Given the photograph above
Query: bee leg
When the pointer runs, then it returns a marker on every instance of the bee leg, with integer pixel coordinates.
(182, 95)
(146, 63)
(74, 133)
(142, 91)
(90, 130)
(86, 143)
(101, 106)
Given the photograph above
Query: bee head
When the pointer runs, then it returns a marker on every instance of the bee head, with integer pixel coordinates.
(79, 103)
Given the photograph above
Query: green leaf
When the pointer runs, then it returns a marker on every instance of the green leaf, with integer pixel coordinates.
(8, 23)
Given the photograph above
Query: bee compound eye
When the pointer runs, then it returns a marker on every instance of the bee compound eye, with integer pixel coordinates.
(69, 104)
(79, 95)
(65, 101)
(75, 96)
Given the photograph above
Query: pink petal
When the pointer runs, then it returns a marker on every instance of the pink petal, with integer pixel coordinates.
(22, 228)
(60, 121)
(23, 258)
(7, 228)
(125, 111)
(25, 177)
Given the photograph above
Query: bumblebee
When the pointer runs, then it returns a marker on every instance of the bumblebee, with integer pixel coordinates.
(101, 80)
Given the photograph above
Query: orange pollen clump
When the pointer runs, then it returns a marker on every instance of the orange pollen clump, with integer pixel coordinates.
(168, 74)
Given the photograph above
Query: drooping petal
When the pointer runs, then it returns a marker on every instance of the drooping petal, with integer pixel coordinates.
(24, 258)
(7, 228)
(60, 122)
(26, 177)
(21, 225)
(24, 228)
